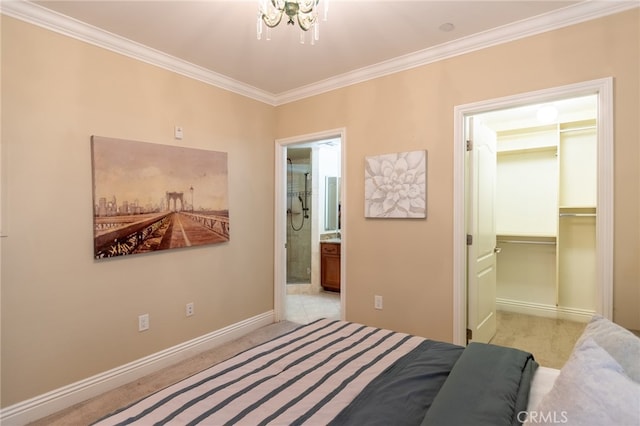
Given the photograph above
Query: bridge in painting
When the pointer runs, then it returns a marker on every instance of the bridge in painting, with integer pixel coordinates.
(129, 234)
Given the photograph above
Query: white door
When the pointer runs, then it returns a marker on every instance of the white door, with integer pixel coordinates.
(481, 226)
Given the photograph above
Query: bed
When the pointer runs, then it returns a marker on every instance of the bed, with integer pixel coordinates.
(336, 372)
(342, 373)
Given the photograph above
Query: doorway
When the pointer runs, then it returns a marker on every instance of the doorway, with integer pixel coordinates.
(307, 169)
(602, 90)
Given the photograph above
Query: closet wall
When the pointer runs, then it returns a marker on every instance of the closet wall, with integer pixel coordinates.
(545, 220)
(577, 216)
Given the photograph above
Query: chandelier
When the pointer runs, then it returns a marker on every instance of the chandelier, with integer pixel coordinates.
(304, 12)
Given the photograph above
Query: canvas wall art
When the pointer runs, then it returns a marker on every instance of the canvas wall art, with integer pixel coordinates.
(395, 185)
(149, 197)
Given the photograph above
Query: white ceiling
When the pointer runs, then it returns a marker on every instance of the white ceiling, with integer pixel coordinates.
(579, 108)
(360, 40)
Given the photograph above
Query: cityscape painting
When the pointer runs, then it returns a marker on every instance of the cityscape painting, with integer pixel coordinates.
(149, 197)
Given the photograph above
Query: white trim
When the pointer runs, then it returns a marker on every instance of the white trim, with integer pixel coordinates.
(280, 221)
(604, 221)
(541, 310)
(459, 231)
(571, 15)
(62, 24)
(564, 17)
(66, 396)
(280, 232)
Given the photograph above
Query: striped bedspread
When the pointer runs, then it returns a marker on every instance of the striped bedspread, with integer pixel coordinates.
(307, 376)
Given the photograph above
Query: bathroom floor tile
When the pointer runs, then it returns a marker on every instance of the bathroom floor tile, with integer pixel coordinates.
(306, 308)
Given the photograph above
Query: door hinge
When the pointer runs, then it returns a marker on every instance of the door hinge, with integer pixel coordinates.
(469, 335)
(469, 145)
(469, 239)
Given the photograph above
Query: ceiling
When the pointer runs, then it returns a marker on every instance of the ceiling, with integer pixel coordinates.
(578, 108)
(219, 36)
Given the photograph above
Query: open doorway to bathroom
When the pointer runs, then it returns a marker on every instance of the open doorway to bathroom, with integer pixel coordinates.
(313, 208)
(309, 198)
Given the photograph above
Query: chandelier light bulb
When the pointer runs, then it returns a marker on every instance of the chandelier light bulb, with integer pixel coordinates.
(302, 12)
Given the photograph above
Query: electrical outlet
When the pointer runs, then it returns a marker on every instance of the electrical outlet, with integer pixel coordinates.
(143, 322)
(377, 302)
(189, 309)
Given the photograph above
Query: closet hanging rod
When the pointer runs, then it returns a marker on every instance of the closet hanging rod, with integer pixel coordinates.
(577, 215)
(551, 243)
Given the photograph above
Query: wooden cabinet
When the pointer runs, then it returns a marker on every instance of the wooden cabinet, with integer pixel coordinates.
(330, 266)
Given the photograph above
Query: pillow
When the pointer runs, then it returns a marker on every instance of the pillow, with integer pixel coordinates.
(591, 389)
(619, 342)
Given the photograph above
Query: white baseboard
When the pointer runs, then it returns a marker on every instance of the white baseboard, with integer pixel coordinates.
(542, 310)
(64, 397)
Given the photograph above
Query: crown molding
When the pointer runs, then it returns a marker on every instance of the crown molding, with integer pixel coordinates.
(62, 24)
(571, 15)
(46, 18)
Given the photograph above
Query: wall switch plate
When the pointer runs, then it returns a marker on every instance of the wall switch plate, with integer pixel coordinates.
(143, 322)
(178, 132)
(377, 302)
(189, 309)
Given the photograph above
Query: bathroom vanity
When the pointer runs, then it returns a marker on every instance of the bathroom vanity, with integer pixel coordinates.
(330, 265)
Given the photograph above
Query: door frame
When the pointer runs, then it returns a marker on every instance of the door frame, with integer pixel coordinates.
(280, 216)
(604, 220)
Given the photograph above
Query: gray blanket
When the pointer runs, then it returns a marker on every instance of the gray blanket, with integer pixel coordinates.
(489, 385)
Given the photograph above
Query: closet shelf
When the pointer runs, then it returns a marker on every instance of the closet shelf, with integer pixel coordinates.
(529, 150)
(590, 208)
(577, 215)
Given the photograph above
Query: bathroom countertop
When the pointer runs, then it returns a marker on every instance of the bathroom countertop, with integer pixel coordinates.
(331, 240)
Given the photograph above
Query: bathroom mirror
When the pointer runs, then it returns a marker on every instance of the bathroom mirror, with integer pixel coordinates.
(332, 203)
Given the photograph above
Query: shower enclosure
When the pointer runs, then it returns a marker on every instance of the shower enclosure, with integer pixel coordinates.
(299, 213)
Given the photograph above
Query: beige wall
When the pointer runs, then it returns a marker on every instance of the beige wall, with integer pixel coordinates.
(65, 316)
(409, 262)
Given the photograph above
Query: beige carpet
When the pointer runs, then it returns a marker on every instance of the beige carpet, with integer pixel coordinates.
(89, 411)
(549, 340)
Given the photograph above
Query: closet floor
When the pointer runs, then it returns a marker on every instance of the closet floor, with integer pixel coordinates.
(549, 340)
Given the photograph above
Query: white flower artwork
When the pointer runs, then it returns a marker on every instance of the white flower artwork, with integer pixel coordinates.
(395, 185)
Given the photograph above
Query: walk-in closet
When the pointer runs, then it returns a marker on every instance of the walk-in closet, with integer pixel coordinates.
(546, 197)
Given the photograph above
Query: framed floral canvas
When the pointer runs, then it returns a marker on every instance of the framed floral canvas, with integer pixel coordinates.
(395, 185)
